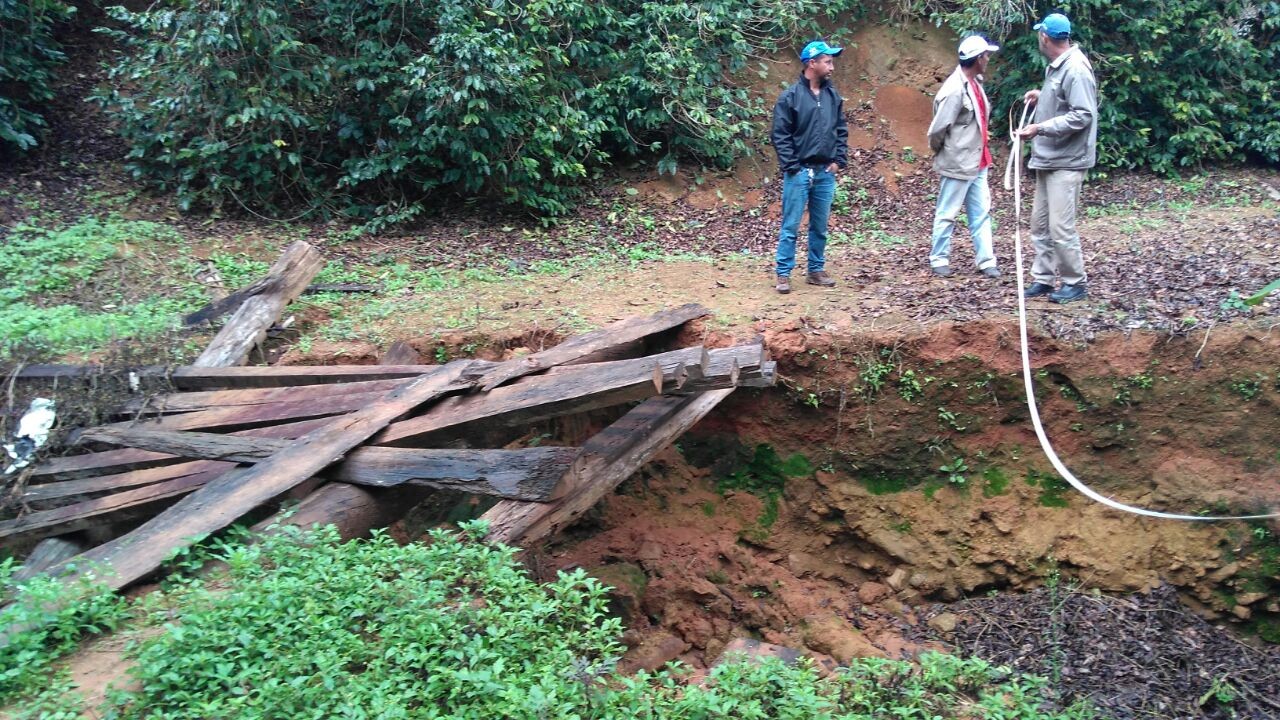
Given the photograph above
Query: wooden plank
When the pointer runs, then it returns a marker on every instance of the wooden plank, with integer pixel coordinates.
(204, 400)
(214, 506)
(606, 460)
(248, 416)
(78, 516)
(46, 492)
(353, 510)
(72, 467)
(46, 554)
(247, 327)
(539, 398)
(528, 474)
(187, 377)
(619, 333)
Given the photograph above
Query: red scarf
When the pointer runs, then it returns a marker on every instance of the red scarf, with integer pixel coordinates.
(982, 123)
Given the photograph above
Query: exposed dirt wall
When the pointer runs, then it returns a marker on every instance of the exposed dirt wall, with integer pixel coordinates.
(876, 527)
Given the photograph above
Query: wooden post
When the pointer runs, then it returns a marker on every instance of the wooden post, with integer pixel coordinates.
(247, 327)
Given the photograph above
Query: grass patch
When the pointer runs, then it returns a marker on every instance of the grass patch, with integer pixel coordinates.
(73, 287)
(765, 476)
(994, 482)
(1053, 489)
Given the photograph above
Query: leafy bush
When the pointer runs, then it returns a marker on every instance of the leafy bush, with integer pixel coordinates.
(312, 627)
(28, 54)
(39, 627)
(1180, 83)
(368, 106)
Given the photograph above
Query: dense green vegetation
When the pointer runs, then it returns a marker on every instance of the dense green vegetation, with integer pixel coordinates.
(364, 107)
(1180, 82)
(29, 55)
(303, 625)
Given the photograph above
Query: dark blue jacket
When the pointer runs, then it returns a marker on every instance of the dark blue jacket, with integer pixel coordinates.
(809, 130)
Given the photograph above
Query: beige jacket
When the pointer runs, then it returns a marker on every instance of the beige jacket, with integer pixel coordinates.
(955, 136)
(1067, 113)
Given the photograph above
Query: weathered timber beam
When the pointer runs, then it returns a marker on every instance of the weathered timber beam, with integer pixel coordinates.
(538, 398)
(605, 461)
(207, 399)
(247, 326)
(579, 346)
(72, 467)
(527, 474)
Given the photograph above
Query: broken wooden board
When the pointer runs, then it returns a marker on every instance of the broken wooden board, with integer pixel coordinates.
(579, 346)
(538, 398)
(78, 516)
(73, 467)
(526, 473)
(606, 460)
(209, 399)
(187, 377)
(247, 326)
(226, 498)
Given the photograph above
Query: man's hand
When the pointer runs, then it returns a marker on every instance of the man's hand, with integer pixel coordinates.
(1031, 96)
(1029, 131)
(832, 168)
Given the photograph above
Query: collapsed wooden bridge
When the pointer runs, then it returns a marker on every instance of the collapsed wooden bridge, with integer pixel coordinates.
(229, 440)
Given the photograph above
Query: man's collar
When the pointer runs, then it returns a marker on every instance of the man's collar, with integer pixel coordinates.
(1063, 57)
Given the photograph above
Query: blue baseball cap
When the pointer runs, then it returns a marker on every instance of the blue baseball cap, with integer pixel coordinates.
(1055, 25)
(816, 48)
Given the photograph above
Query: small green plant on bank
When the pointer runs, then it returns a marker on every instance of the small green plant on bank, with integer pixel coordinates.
(955, 471)
(909, 386)
(1234, 303)
(908, 155)
(875, 373)
(996, 482)
(1249, 388)
(950, 419)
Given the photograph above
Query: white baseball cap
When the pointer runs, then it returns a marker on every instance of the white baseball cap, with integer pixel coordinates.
(974, 45)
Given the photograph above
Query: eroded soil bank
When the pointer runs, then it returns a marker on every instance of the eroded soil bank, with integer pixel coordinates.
(891, 472)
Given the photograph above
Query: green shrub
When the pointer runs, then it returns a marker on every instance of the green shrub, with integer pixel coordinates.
(312, 627)
(39, 626)
(1180, 82)
(28, 54)
(368, 106)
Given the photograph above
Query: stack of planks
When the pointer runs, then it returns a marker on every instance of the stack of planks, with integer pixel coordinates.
(232, 439)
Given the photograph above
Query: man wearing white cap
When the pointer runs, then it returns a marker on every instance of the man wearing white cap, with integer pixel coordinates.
(1064, 145)
(962, 155)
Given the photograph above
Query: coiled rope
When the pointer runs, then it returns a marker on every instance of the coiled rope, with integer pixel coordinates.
(1013, 181)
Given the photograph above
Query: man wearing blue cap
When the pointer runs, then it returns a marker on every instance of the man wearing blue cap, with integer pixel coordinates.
(811, 139)
(1064, 145)
(962, 155)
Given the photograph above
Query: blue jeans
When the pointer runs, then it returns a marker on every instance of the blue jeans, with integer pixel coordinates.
(975, 196)
(816, 188)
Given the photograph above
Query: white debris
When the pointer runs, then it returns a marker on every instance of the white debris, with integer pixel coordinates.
(33, 432)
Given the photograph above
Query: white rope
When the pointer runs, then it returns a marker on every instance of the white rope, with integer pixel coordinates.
(1013, 181)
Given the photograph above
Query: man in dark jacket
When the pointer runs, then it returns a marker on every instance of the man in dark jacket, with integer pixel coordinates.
(811, 138)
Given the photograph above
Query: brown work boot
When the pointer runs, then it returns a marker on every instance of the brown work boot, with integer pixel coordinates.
(784, 285)
(820, 278)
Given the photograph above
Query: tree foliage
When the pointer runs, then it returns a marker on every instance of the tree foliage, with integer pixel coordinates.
(1181, 82)
(369, 105)
(28, 56)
